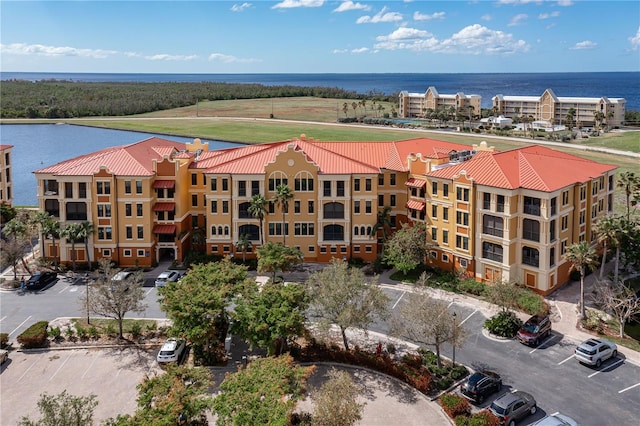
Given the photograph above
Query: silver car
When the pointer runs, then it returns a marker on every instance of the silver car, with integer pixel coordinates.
(167, 277)
(513, 407)
(556, 419)
(594, 351)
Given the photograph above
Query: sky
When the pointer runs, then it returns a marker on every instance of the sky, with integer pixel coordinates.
(319, 36)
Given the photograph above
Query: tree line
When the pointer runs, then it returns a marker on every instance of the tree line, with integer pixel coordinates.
(69, 99)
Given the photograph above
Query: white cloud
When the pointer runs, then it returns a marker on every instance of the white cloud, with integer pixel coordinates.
(382, 16)
(360, 50)
(43, 50)
(474, 39)
(348, 5)
(486, 17)
(554, 14)
(228, 59)
(519, 1)
(167, 57)
(518, 19)
(417, 16)
(565, 2)
(635, 40)
(583, 45)
(290, 4)
(240, 7)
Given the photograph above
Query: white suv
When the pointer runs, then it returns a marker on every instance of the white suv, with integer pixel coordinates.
(171, 350)
(594, 351)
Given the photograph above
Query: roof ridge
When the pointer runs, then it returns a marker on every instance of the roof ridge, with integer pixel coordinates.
(522, 158)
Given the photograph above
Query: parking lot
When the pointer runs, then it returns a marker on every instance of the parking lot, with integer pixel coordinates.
(110, 374)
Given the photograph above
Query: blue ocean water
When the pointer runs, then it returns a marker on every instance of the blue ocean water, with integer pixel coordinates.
(589, 84)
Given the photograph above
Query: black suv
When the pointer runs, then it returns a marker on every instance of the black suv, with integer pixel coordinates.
(480, 385)
(534, 330)
(40, 280)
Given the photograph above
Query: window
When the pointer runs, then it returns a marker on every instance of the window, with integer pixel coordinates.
(276, 182)
(310, 206)
(326, 188)
(242, 188)
(104, 232)
(500, 203)
(127, 252)
(434, 211)
(225, 184)
(225, 206)
(462, 194)
(552, 256)
(139, 209)
(141, 253)
(255, 187)
(445, 214)
(594, 187)
(340, 188)
(356, 207)
(380, 180)
(392, 200)
(552, 230)
(563, 247)
(367, 207)
(76, 211)
(392, 179)
(275, 228)
(138, 187)
(127, 210)
(303, 185)
(103, 187)
(434, 234)
(243, 211)
(492, 251)
(583, 193)
(333, 233)
(272, 207)
(129, 232)
(214, 206)
(532, 206)
(530, 256)
(214, 184)
(565, 222)
(304, 228)
(531, 230)
(462, 218)
(565, 198)
(367, 185)
(106, 252)
(445, 190)
(194, 179)
(434, 188)
(194, 200)
(68, 190)
(554, 206)
(445, 236)
(445, 258)
(486, 201)
(127, 187)
(82, 190)
(333, 211)
(581, 217)
(356, 184)
(610, 183)
(462, 242)
(492, 225)
(104, 210)
(140, 232)
(296, 206)
(380, 199)
(252, 231)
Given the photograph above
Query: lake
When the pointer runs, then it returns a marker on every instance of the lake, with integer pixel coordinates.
(39, 145)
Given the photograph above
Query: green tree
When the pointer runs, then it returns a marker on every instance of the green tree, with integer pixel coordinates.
(407, 248)
(630, 184)
(336, 402)
(582, 257)
(382, 226)
(86, 232)
(263, 393)
(340, 295)
(270, 317)
(274, 257)
(114, 298)
(163, 398)
(63, 409)
(197, 307)
(51, 229)
(258, 209)
(282, 198)
(606, 228)
(17, 228)
(73, 232)
(244, 244)
(42, 220)
(7, 213)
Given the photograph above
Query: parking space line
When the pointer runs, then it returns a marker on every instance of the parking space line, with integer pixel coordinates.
(27, 370)
(90, 365)
(398, 301)
(3, 318)
(60, 368)
(21, 324)
(449, 305)
(148, 291)
(562, 362)
(630, 387)
(544, 342)
(469, 316)
(64, 289)
(607, 368)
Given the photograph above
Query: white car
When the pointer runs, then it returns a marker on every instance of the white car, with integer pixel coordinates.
(166, 277)
(556, 420)
(594, 351)
(171, 350)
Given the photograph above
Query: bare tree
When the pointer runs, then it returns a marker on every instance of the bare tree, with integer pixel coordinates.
(619, 300)
(336, 401)
(504, 294)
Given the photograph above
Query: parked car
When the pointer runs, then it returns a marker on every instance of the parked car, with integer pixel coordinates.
(40, 280)
(166, 277)
(171, 350)
(534, 330)
(513, 407)
(480, 385)
(121, 276)
(4, 356)
(594, 351)
(556, 420)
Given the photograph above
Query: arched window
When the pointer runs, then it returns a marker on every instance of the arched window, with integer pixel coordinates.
(303, 182)
(226, 230)
(531, 230)
(530, 256)
(219, 230)
(355, 230)
(243, 211)
(252, 231)
(213, 230)
(333, 211)
(368, 230)
(277, 178)
(333, 233)
(362, 231)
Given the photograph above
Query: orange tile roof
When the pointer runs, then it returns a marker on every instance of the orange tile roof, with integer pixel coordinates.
(533, 167)
(4, 146)
(127, 160)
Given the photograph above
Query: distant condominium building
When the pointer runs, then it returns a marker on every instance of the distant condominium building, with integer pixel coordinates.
(413, 105)
(494, 215)
(6, 193)
(554, 109)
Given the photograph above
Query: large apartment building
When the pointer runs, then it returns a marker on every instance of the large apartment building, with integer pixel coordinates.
(496, 215)
(6, 192)
(554, 109)
(414, 105)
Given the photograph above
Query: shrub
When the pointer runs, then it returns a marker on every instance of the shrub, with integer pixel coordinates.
(4, 340)
(110, 330)
(531, 302)
(70, 333)
(594, 321)
(503, 324)
(444, 383)
(82, 332)
(136, 329)
(34, 336)
(391, 348)
(482, 418)
(93, 332)
(55, 333)
(454, 405)
(458, 372)
(471, 286)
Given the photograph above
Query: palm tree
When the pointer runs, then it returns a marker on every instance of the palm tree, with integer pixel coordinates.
(283, 195)
(244, 244)
(630, 184)
(383, 225)
(471, 109)
(607, 232)
(581, 256)
(51, 229)
(41, 219)
(258, 209)
(73, 232)
(86, 231)
(570, 116)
